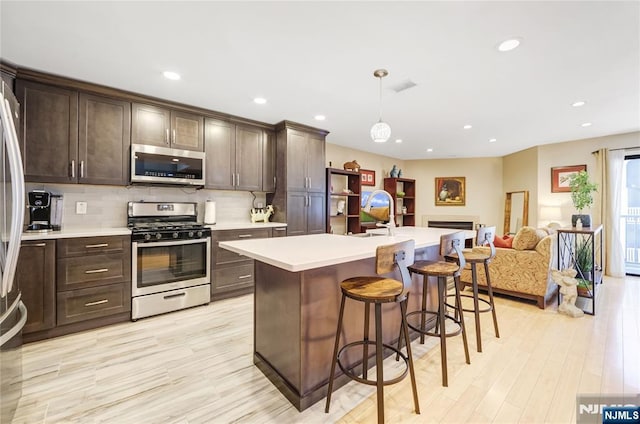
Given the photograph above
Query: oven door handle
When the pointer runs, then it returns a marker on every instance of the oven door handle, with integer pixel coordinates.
(170, 243)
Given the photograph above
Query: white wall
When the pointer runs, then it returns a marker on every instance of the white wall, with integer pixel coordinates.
(576, 152)
(484, 193)
(338, 155)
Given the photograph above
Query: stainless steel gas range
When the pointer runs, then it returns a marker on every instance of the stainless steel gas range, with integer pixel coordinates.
(171, 258)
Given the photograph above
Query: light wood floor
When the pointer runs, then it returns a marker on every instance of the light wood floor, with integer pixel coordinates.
(195, 366)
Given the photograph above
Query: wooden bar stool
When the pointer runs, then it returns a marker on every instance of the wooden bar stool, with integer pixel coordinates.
(378, 290)
(442, 270)
(485, 236)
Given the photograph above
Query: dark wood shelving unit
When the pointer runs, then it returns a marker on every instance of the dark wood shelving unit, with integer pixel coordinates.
(337, 180)
(393, 186)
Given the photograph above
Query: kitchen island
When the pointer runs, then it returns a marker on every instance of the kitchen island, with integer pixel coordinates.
(297, 300)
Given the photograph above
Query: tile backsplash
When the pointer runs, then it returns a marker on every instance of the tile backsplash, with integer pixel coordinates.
(107, 205)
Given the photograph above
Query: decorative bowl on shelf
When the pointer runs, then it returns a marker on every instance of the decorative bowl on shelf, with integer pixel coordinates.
(400, 193)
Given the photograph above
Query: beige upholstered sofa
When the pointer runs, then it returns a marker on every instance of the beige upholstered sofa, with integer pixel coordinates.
(522, 271)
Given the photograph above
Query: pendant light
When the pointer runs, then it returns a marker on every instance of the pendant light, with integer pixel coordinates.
(380, 131)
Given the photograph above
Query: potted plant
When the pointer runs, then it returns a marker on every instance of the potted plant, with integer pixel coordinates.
(581, 196)
(584, 266)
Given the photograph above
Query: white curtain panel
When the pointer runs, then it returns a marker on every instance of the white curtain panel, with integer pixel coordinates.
(615, 262)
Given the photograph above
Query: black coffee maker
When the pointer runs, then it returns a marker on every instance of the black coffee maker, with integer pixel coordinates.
(39, 205)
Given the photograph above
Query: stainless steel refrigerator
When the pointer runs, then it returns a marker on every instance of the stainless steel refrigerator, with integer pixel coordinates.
(13, 313)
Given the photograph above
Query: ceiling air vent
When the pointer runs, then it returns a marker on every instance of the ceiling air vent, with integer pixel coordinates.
(404, 85)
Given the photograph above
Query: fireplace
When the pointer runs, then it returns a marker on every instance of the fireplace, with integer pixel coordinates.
(458, 222)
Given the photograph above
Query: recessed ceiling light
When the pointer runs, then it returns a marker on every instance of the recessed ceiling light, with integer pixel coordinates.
(466, 127)
(171, 75)
(578, 103)
(429, 150)
(399, 140)
(260, 100)
(492, 140)
(508, 45)
(319, 117)
(586, 124)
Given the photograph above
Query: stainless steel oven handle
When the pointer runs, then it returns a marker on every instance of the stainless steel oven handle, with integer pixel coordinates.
(169, 243)
(171, 296)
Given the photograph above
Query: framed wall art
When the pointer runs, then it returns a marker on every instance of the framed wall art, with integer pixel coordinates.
(450, 191)
(368, 177)
(561, 175)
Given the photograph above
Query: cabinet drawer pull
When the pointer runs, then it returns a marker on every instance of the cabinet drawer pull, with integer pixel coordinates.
(93, 246)
(233, 179)
(245, 235)
(81, 169)
(35, 245)
(73, 168)
(242, 277)
(171, 296)
(96, 271)
(280, 229)
(97, 302)
(166, 136)
(173, 136)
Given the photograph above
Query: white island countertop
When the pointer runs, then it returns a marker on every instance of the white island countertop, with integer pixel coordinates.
(300, 253)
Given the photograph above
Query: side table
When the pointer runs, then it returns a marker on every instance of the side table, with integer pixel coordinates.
(581, 249)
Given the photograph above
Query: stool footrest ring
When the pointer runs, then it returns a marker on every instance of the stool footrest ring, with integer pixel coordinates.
(433, 333)
(470, 296)
(349, 371)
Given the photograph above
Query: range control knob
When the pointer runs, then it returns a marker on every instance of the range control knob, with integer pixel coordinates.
(190, 233)
(147, 236)
(158, 236)
(199, 233)
(175, 235)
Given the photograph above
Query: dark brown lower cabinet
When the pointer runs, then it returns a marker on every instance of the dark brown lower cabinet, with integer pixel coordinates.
(74, 284)
(36, 277)
(232, 273)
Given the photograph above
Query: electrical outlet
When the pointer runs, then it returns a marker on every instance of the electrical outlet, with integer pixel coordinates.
(81, 208)
(260, 205)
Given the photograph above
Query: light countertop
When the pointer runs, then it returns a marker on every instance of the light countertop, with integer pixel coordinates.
(244, 225)
(123, 231)
(77, 232)
(300, 253)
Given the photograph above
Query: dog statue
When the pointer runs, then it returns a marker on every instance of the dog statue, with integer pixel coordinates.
(351, 166)
(260, 214)
(569, 291)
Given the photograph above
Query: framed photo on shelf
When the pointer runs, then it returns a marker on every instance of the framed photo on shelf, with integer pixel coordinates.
(561, 175)
(368, 177)
(450, 191)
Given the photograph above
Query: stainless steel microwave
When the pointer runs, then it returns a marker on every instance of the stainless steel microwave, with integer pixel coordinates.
(153, 164)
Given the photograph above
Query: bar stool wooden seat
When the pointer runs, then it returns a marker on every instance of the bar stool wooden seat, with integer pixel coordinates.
(442, 270)
(378, 290)
(484, 237)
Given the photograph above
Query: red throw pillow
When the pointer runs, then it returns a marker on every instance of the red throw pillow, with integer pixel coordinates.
(504, 241)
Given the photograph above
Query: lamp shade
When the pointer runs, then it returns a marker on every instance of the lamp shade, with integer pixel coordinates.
(380, 132)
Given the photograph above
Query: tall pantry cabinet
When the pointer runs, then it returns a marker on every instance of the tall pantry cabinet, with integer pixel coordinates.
(299, 199)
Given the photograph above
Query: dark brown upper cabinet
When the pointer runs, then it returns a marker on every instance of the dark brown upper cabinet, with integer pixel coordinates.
(71, 137)
(48, 132)
(234, 156)
(167, 128)
(269, 162)
(305, 161)
(104, 139)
